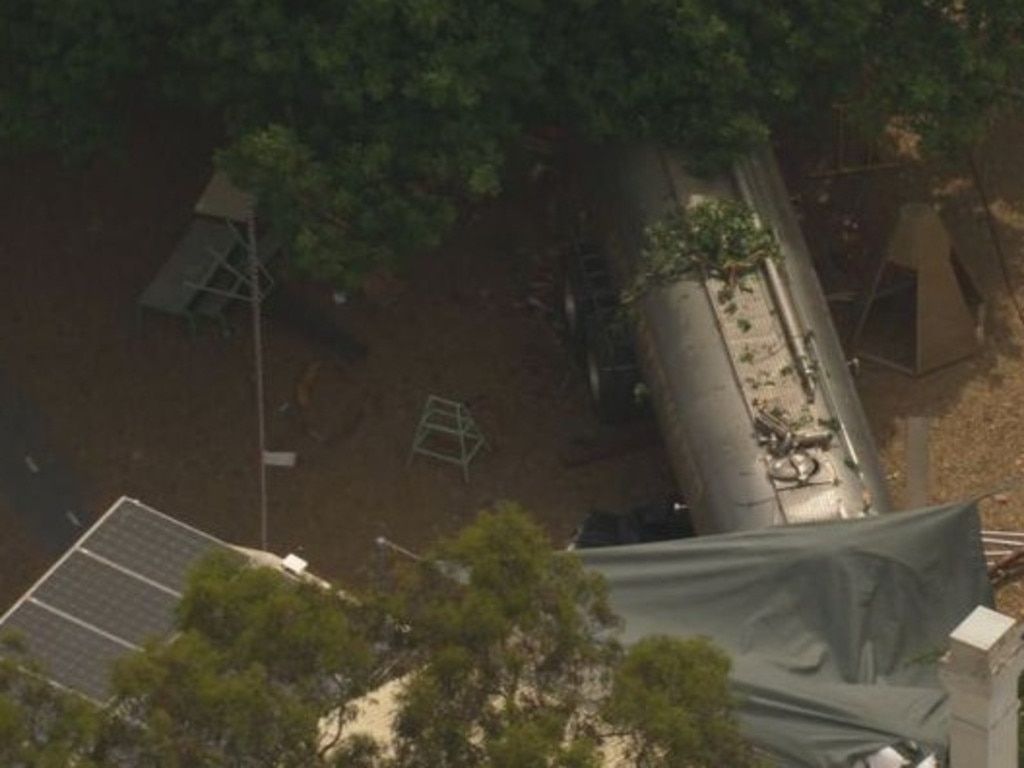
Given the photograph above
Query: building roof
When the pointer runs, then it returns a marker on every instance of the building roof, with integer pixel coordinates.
(116, 588)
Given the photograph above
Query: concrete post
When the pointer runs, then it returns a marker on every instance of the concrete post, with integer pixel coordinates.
(980, 672)
(918, 428)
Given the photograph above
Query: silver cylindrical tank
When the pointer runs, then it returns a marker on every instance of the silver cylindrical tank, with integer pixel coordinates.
(705, 419)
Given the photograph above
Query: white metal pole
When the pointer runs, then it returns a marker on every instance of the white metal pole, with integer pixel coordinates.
(257, 342)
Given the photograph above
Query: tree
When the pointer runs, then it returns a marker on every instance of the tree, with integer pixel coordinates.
(512, 645)
(517, 663)
(367, 125)
(41, 726)
(671, 698)
(506, 651)
(259, 661)
(66, 68)
(958, 64)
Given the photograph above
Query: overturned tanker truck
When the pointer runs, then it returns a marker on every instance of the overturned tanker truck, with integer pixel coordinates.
(754, 398)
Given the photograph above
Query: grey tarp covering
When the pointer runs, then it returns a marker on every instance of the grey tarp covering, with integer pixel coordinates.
(834, 629)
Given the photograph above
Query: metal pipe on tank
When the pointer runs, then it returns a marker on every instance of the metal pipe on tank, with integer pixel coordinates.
(791, 325)
(805, 360)
(844, 434)
(791, 328)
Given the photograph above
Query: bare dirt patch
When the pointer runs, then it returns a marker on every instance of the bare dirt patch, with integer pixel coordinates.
(137, 407)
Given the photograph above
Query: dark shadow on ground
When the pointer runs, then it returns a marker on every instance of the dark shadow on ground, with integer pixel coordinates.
(35, 481)
(288, 309)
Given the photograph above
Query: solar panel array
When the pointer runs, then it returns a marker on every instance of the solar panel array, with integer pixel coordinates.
(110, 593)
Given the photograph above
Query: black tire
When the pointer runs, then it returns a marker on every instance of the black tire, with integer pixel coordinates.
(612, 373)
(572, 305)
(586, 289)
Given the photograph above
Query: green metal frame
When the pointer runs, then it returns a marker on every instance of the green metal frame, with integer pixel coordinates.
(448, 419)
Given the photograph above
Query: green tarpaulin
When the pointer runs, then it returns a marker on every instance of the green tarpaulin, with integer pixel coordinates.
(835, 629)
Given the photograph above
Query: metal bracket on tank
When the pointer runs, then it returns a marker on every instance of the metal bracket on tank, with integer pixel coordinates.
(801, 469)
(798, 468)
(782, 440)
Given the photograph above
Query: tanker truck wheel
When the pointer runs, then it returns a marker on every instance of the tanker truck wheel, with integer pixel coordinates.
(612, 373)
(571, 305)
(586, 288)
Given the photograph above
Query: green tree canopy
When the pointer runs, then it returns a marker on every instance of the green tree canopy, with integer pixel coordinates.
(518, 664)
(513, 644)
(505, 653)
(670, 696)
(258, 661)
(41, 726)
(366, 125)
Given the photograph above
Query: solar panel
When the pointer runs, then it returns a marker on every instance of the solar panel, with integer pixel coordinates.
(148, 543)
(112, 591)
(73, 656)
(110, 599)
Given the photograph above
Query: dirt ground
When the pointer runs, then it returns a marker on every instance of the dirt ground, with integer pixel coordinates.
(976, 439)
(136, 407)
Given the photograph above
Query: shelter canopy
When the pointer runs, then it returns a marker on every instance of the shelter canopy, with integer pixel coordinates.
(835, 629)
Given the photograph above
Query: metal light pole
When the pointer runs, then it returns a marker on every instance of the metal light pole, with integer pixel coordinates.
(257, 342)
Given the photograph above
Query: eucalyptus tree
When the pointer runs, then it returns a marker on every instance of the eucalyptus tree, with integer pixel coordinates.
(368, 125)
